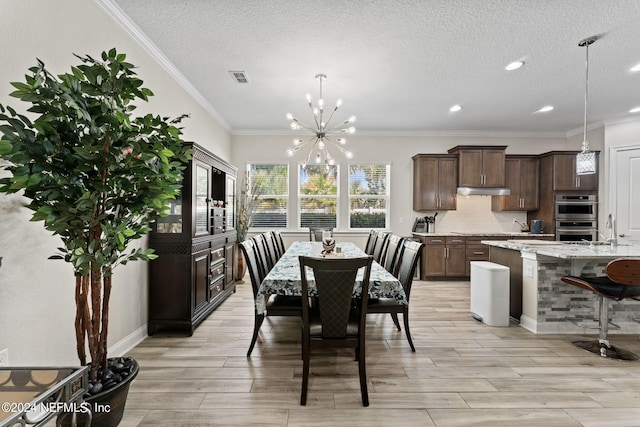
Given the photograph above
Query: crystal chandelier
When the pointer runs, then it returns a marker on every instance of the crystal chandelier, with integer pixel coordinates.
(322, 136)
(586, 160)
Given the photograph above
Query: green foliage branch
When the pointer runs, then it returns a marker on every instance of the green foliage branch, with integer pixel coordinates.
(95, 175)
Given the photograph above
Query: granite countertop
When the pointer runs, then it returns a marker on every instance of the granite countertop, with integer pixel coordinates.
(485, 234)
(568, 250)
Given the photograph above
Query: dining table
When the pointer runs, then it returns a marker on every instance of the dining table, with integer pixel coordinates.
(284, 278)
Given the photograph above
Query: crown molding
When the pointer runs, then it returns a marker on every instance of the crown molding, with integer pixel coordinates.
(122, 19)
(410, 133)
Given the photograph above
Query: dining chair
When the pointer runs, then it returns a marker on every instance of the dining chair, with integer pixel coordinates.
(276, 305)
(410, 254)
(277, 237)
(392, 253)
(315, 234)
(378, 250)
(335, 322)
(371, 242)
(270, 247)
(621, 281)
(265, 262)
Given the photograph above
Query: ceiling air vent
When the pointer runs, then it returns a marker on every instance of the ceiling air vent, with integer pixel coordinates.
(239, 76)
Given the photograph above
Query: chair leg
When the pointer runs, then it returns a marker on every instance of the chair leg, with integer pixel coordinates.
(601, 346)
(363, 376)
(259, 318)
(394, 316)
(405, 318)
(305, 373)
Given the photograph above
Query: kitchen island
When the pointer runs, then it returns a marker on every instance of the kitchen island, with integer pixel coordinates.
(547, 303)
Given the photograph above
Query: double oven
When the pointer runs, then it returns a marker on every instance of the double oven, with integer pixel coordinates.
(576, 217)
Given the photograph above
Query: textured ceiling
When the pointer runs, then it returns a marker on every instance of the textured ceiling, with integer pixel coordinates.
(399, 65)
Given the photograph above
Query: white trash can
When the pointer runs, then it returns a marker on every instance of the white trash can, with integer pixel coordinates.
(490, 293)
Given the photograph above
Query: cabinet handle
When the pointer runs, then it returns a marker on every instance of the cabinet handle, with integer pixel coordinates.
(478, 253)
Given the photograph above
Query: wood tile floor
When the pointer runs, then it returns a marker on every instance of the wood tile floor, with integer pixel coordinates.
(463, 373)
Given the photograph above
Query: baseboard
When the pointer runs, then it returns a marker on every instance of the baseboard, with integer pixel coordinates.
(126, 344)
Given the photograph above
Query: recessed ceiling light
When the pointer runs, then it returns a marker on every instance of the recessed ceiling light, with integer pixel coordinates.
(545, 109)
(455, 108)
(514, 65)
(635, 110)
(636, 68)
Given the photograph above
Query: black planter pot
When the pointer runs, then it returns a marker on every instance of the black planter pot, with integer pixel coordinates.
(107, 406)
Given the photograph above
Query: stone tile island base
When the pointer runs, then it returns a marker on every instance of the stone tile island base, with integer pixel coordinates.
(548, 304)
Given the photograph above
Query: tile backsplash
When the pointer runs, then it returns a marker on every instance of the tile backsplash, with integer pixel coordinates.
(474, 214)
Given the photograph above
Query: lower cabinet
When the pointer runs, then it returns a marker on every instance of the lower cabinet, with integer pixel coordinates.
(447, 257)
(188, 281)
(443, 257)
(476, 251)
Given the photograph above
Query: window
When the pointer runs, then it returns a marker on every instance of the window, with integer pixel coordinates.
(318, 194)
(369, 196)
(270, 184)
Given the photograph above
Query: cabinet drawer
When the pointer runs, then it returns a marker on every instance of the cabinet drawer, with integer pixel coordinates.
(477, 252)
(216, 288)
(217, 255)
(217, 271)
(451, 240)
(434, 240)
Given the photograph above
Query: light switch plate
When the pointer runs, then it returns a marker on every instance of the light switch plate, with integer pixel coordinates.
(528, 270)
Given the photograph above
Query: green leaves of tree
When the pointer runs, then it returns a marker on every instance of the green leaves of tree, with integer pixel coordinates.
(96, 175)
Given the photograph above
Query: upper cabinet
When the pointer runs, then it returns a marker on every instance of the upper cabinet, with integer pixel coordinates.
(434, 182)
(563, 168)
(480, 166)
(206, 204)
(522, 178)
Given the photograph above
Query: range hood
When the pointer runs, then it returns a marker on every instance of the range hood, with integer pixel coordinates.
(484, 191)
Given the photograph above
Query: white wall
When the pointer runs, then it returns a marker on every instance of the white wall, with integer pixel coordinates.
(36, 294)
(473, 213)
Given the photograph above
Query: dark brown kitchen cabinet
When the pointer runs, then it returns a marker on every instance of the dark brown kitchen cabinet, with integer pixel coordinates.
(195, 244)
(522, 177)
(434, 182)
(480, 166)
(444, 256)
(564, 174)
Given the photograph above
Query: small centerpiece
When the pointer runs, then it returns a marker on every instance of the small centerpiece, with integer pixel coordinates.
(328, 243)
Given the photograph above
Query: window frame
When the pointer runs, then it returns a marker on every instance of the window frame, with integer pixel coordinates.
(301, 196)
(286, 196)
(386, 197)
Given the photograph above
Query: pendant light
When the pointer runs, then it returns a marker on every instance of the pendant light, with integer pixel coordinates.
(586, 159)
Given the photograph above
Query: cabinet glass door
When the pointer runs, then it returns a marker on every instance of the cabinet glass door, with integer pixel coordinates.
(230, 203)
(172, 223)
(202, 189)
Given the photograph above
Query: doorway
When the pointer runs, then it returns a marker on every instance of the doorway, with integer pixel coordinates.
(625, 192)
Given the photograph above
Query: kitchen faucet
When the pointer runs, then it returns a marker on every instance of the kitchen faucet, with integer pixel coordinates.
(611, 226)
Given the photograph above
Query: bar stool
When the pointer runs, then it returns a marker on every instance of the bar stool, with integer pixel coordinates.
(622, 281)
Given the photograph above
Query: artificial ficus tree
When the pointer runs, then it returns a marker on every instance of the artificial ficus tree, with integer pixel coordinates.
(93, 173)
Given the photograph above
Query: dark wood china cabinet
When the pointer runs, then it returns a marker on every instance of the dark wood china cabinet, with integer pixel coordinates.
(195, 244)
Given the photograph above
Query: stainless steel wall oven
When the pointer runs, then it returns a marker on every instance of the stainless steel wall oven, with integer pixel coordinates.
(576, 217)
